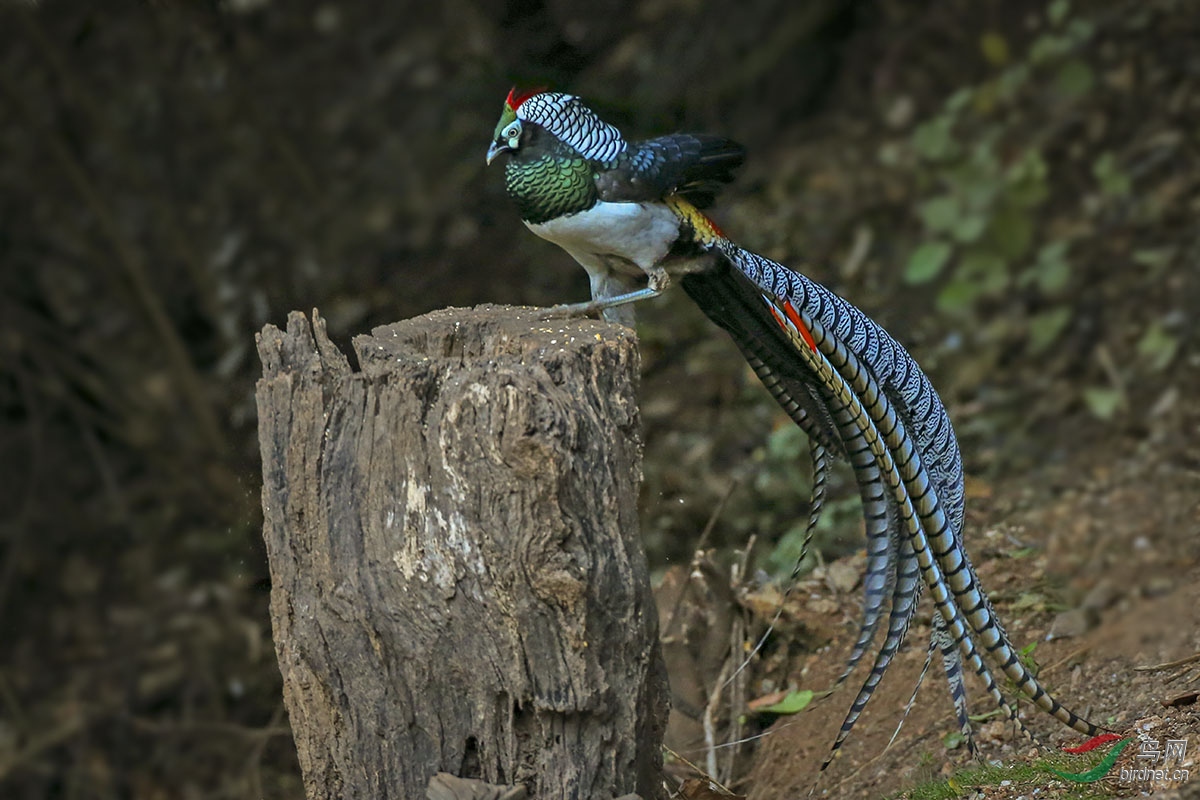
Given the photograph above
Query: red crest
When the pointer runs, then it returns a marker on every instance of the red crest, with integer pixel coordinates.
(516, 97)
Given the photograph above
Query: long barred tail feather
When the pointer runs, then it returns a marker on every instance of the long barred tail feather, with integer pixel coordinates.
(908, 707)
(867, 399)
(941, 527)
(940, 638)
(858, 423)
(923, 472)
(860, 440)
(771, 354)
(861, 435)
(904, 606)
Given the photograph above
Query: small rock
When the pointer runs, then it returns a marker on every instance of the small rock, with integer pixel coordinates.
(1074, 622)
(997, 731)
(1101, 597)
(822, 605)
(842, 577)
(1158, 585)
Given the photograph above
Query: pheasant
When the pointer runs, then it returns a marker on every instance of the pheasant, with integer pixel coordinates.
(612, 205)
(629, 213)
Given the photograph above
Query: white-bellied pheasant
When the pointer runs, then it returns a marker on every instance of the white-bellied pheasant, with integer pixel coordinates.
(628, 212)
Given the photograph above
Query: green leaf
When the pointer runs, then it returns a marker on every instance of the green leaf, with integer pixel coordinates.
(1029, 169)
(978, 189)
(1047, 47)
(953, 740)
(969, 228)
(940, 214)
(1157, 347)
(1028, 194)
(995, 48)
(1074, 79)
(985, 164)
(958, 296)
(934, 140)
(1053, 270)
(1103, 401)
(959, 100)
(927, 261)
(1026, 180)
(793, 703)
(782, 559)
(987, 97)
(1046, 327)
(1154, 257)
(1053, 251)
(985, 716)
(1054, 275)
(1080, 30)
(1028, 660)
(987, 269)
(1057, 11)
(1011, 232)
(1012, 80)
(1113, 181)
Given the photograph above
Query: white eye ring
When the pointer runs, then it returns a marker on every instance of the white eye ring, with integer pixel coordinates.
(512, 132)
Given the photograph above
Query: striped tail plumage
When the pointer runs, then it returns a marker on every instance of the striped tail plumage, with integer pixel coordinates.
(859, 394)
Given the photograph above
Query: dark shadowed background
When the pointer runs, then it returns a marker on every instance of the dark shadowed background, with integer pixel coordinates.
(1010, 188)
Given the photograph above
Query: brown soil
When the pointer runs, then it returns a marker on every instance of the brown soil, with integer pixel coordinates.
(1113, 537)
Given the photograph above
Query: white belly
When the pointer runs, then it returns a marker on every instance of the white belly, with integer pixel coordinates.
(638, 234)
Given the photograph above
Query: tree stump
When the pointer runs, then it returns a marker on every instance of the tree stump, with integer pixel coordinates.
(457, 579)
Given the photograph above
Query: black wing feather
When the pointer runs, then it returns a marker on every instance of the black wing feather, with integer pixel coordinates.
(693, 166)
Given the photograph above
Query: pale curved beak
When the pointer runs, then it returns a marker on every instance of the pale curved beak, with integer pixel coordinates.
(496, 149)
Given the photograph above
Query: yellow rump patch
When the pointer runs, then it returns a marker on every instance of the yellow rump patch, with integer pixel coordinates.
(706, 230)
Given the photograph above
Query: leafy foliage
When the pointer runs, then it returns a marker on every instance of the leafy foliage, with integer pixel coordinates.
(792, 703)
(783, 474)
(990, 178)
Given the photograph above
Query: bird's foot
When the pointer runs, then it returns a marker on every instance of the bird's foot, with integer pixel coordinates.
(570, 310)
(600, 304)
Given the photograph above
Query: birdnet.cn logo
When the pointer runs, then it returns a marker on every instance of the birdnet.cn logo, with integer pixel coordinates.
(1156, 760)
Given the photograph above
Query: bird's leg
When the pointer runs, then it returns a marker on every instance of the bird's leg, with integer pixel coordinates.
(589, 307)
(658, 281)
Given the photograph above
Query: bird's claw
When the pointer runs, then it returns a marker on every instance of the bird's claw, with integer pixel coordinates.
(568, 311)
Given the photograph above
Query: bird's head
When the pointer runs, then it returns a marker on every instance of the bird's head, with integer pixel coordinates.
(563, 116)
(507, 138)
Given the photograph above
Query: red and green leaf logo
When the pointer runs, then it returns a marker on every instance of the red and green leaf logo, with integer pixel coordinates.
(1105, 764)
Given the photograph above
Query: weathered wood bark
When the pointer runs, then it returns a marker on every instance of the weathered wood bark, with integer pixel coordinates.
(458, 584)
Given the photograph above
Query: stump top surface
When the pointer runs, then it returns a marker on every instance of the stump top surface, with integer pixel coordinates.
(485, 332)
(449, 336)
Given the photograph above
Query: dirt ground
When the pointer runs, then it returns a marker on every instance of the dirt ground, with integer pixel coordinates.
(1103, 549)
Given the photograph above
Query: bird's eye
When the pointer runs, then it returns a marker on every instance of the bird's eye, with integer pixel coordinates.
(512, 132)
